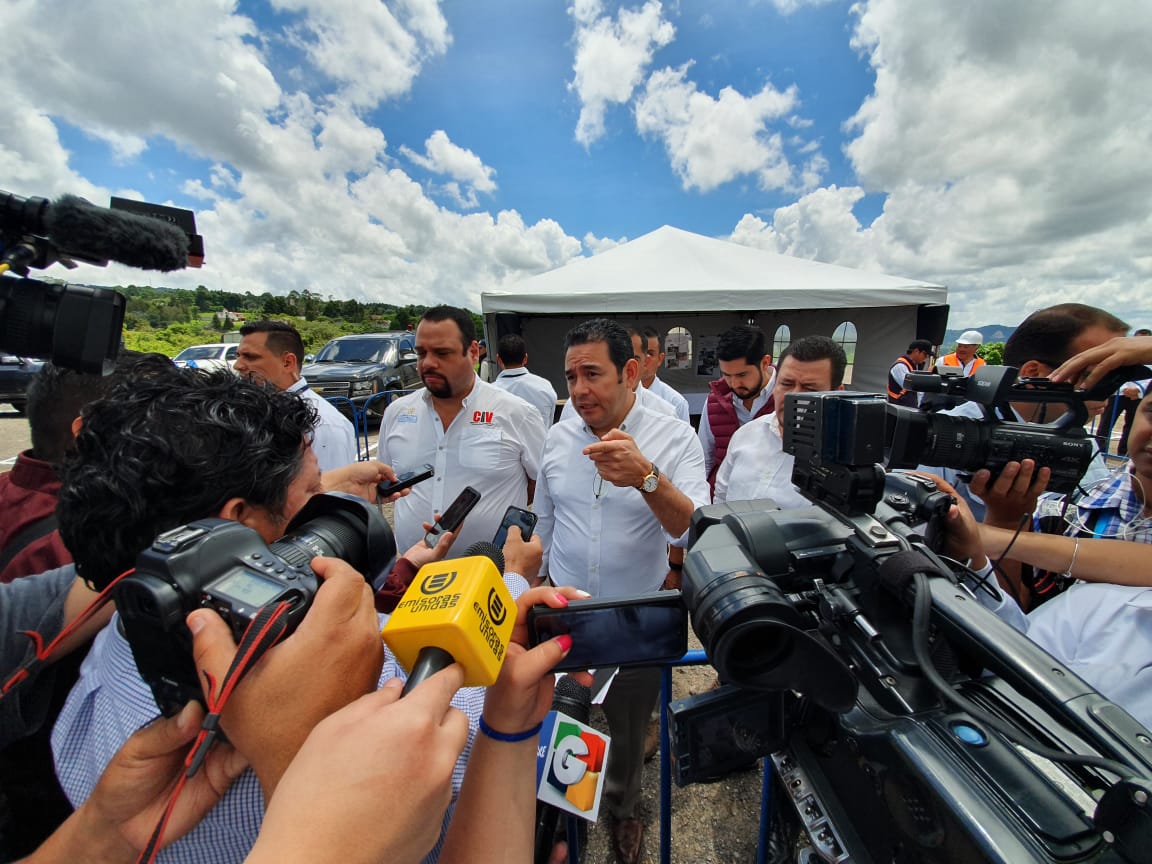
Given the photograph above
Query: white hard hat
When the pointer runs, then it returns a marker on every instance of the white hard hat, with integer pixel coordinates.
(970, 337)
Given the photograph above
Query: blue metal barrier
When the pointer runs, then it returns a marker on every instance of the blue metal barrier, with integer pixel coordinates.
(360, 416)
(692, 658)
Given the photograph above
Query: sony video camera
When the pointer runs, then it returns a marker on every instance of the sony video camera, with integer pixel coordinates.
(78, 326)
(222, 565)
(926, 437)
(905, 721)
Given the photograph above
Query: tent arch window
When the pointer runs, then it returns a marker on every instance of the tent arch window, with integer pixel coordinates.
(845, 336)
(780, 341)
(678, 348)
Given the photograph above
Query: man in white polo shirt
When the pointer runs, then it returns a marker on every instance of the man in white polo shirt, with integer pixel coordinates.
(473, 434)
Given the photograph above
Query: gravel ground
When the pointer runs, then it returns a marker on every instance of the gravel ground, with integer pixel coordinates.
(712, 823)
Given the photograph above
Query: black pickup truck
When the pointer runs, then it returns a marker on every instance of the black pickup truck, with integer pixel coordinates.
(359, 366)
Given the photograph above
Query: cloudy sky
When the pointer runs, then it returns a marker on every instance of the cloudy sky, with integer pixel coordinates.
(421, 151)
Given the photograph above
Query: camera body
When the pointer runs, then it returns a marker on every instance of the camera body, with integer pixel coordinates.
(808, 614)
(222, 565)
(925, 437)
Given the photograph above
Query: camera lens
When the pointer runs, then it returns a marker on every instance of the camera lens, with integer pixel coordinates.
(338, 526)
(956, 442)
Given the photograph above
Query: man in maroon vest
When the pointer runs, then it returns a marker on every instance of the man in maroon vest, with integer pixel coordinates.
(743, 392)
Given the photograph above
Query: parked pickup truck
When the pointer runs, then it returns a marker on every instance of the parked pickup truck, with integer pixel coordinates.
(359, 366)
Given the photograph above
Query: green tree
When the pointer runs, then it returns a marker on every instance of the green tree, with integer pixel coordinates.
(992, 352)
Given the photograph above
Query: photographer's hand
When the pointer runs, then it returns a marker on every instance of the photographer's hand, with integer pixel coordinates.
(117, 820)
(1099, 361)
(380, 753)
(962, 532)
(332, 658)
(1012, 494)
(361, 479)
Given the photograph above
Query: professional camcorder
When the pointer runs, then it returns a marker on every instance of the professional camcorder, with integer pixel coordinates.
(905, 721)
(225, 566)
(73, 325)
(926, 437)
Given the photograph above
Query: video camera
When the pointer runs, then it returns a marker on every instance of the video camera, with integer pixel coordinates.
(925, 437)
(905, 721)
(79, 326)
(222, 565)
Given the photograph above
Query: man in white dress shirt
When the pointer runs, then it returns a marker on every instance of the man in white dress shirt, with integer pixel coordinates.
(617, 484)
(514, 377)
(756, 465)
(272, 351)
(473, 433)
(646, 343)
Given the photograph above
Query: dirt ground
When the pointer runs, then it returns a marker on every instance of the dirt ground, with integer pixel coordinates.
(712, 823)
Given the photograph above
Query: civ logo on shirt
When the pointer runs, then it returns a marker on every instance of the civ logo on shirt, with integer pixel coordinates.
(482, 417)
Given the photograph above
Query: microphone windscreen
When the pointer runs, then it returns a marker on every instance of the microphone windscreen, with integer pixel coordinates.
(87, 231)
(488, 550)
(572, 698)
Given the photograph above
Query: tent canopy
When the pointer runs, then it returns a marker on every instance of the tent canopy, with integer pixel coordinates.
(671, 269)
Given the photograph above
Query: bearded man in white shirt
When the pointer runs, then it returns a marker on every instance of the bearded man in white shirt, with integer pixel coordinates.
(756, 465)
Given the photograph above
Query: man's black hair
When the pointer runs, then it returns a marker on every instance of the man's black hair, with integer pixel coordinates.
(56, 396)
(920, 345)
(1046, 335)
(281, 338)
(649, 332)
(462, 317)
(611, 333)
(742, 342)
(808, 349)
(513, 350)
(169, 447)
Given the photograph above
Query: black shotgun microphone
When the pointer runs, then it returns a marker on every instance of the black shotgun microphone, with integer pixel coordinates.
(94, 233)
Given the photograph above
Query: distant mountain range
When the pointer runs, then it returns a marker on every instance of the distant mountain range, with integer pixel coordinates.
(991, 333)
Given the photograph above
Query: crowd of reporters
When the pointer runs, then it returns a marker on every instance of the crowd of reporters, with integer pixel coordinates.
(341, 767)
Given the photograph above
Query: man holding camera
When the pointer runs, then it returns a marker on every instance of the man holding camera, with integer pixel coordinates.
(163, 451)
(756, 465)
(617, 485)
(1043, 341)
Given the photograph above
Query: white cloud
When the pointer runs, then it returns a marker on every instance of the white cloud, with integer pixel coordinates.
(467, 170)
(711, 141)
(595, 245)
(299, 189)
(1011, 143)
(787, 7)
(370, 52)
(612, 55)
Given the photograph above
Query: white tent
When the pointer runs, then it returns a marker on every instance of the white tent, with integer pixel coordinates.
(678, 281)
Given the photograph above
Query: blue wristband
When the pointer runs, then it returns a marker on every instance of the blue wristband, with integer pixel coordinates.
(510, 738)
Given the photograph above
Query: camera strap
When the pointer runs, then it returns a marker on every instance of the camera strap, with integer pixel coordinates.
(266, 629)
(44, 653)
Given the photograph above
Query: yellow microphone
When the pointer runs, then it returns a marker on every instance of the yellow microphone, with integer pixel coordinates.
(455, 611)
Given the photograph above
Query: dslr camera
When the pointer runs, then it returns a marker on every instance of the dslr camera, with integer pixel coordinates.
(925, 437)
(905, 722)
(225, 566)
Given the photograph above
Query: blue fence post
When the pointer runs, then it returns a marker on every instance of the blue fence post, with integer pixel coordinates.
(358, 430)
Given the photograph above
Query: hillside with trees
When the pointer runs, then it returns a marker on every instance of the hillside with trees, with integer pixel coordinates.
(168, 320)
